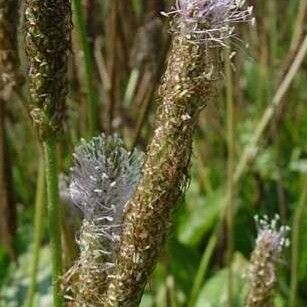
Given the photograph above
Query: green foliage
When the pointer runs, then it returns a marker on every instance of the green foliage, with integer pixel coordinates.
(214, 292)
(201, 217)
(14, 290)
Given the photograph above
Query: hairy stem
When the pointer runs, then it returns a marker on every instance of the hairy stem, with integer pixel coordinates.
(54, 217)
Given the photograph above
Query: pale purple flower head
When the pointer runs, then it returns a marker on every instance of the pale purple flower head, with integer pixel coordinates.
(270, 236)
(262, 274)
(210, 20)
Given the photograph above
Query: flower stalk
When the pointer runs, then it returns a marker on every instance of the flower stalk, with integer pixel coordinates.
(54, 217)
(199, 31)
(38, 233)
(165, 172)
(47, 44)
(92, 98)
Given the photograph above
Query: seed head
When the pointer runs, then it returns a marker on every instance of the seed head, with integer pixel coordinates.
(270, 242)
(47, 45)
(271, 237)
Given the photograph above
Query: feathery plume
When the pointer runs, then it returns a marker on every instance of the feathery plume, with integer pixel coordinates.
(102, 181)
(210, 21)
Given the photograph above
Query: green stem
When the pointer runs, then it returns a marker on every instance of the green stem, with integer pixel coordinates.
(297, 220)
(251, 149)
(230, 171)
(54, 218)
(202, 269)
(88, 67)
(38, 232)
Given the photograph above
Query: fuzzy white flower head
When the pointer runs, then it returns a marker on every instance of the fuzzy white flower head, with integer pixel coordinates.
(210, 20)
(102, 180)
(262, 273)
(104, 177)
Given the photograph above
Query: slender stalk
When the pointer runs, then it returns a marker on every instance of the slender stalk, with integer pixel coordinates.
(54, 216)
(171, 291)
(38, 232)
(88, 68)
(272, 11)
(250, 151)
(299, 23)
(112, 43)
(230, 171)
(202, 269)
(297, 221)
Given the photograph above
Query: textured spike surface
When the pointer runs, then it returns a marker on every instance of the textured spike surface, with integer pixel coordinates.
(47, 45)
(188, 85)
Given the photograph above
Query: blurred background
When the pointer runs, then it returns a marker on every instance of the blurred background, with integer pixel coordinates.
(251, 144)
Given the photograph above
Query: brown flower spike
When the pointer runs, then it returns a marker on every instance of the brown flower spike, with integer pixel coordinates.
(188, 85)
(47, 44)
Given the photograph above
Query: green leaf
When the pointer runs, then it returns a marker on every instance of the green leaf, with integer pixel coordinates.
(214, 292)
(201, 218)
